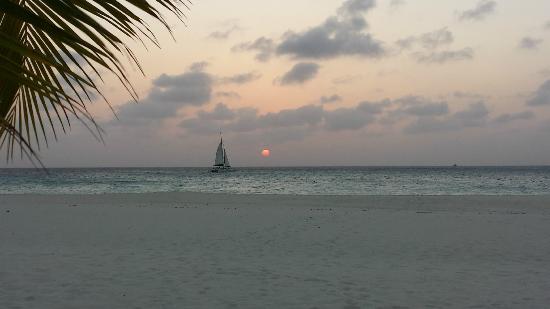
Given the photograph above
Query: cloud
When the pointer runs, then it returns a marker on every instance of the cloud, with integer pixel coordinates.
(541, 96)
(431, 44)
(355, 118)
(305, 118)
(468, 95)
(397, 3)
(373, 108)
(228, 94)
(418, 115)
(240, 78)
(356, 7)
(340, 35)
(426, 109)
(483, 9)
(224, 35)
(347, 79)
(305, 115)
(414, 106)
(430, 40)
(169, 94)
(330, 99)
(343, 34)
(192, 88)
(300, 73)
(198, 66)
(507, 118)
(220, 112)
(248, 119)
(475, 115)
(441, 57)
(347, 119)
(530, 43)
(263, 47)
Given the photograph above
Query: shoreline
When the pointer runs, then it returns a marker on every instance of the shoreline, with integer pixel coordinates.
(171, 199)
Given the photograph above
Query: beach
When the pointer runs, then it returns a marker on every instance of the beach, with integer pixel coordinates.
(202, 250)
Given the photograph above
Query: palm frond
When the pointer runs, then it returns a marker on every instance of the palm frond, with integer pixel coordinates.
(51, 53)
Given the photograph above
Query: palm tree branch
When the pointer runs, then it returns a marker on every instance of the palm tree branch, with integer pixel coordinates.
(49, 50)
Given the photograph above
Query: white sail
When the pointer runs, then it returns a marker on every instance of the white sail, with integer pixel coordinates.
(219, 155)
(226, 159)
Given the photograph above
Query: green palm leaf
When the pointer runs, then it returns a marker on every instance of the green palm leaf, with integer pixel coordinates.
(51, 52)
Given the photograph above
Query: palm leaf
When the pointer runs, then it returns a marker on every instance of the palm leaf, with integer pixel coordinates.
(51, 53)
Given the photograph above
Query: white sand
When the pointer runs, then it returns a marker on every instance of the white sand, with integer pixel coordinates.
(228, 251)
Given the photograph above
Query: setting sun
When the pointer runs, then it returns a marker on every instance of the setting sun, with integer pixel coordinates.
(266, 153)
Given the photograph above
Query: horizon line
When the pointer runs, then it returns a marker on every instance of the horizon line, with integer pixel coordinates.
(288, 166)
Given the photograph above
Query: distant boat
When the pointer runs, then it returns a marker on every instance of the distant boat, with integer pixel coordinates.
(221, 163)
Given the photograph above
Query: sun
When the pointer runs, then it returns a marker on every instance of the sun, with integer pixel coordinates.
(266, 153)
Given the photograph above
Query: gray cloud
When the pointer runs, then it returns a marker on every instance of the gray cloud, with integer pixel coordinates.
(347, 119)
(228, 94)
(430, 45)
(248, 119)
(430, 40)
(397, 3)
(240, 78)
(223, 35)
(468, 95)
(356, 7)
(483, 9)
(330, 99)
(300, 73)
(507, 118)
(475, 115)
(343, 34)
(305, 117)
(348, 79)
(441, 57)
(414, 106)
(429, 125)
(530, 43)
(374, 108)
(421, 115)
(541, 96)
(340, 35)
(202, 127)
(263, 47)
(355, 118)
(426, 109)
(222, 118)
(168, 95)
(220, 112)
(192, 88)
(198, 66)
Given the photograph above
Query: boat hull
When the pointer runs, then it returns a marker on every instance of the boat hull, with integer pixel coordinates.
(220, 169)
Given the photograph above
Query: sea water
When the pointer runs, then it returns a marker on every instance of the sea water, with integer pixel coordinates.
(296, 180)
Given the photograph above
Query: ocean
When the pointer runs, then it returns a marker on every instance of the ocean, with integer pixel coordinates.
(295, 180)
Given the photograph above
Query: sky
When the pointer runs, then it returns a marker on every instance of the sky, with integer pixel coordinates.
(331, 82)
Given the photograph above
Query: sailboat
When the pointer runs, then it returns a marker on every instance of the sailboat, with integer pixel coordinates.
(221, 163)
